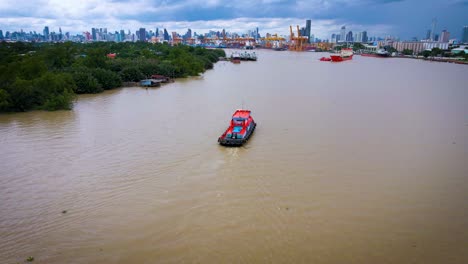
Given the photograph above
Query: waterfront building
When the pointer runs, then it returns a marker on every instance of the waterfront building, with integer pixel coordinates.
(444, 36)
(418, 47)
(434, 44)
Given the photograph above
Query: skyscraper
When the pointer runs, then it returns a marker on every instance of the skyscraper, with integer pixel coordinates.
(434, 25)
(142, 34)
(122, 35)
(428, 34)
(464, 38)
(93, 34)
(349, 36)
(307, 30)
(1, 34)
(364, 36)
(343, 33)
(46, 33)
(166, 35)
(444, 36)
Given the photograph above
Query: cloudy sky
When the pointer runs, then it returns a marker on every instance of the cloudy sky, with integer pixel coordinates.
(402, 18)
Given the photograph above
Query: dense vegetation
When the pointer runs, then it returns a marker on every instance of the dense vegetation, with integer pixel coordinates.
(47, 76)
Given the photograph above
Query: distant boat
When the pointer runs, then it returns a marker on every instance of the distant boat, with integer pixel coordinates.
(235, 57)
(240, 129)
(345, 54)
(325, 59)
(381, 53)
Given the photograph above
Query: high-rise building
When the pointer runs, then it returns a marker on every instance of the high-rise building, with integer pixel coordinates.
(444, 36)
(142, 34)
(464, 37)
(1, 34)
(349, 36)
(188, 35)
(333, 38)
(46, 33)
(122, 34)
(166, 35)
(343, 33)
(433, 28)
(93, 33)
(364, 36)
(436, 37)
(307, 30)
(428, 34)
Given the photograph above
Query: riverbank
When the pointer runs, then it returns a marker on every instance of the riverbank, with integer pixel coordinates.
(436, 59)
(47, 76)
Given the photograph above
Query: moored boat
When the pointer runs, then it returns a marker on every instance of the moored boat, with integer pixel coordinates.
(240, 129)
(381, 53)
(345, 54)
(235, 57)
(325, 59)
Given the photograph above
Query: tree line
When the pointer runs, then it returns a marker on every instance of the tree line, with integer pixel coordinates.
(49, 75)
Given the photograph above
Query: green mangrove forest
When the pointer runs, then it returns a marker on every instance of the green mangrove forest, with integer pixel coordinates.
(47, 76)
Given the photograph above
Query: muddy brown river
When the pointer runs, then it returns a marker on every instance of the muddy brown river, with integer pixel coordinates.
(364, 161)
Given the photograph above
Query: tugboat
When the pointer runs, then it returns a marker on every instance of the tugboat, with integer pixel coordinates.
(240, 129)
(345, 54)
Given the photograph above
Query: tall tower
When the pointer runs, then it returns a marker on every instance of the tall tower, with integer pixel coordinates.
(307, 30)
(142, 34)
(343, 33)
(434, 25)
(464, 38)
(46, 33)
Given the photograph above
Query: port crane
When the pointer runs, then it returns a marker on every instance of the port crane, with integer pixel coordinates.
(297, 42)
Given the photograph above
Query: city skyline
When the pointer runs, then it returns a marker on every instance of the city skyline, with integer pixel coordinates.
(381, 17)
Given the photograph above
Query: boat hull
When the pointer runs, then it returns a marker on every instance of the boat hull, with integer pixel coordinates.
(338, 58)
(237, 142)
(375, 55)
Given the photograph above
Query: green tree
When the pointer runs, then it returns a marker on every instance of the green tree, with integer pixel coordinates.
(435, 52)
(426, 53)
(407, 52)
(131, 74)
(86, 83)
(4, 100)
(22, 95)
(57, 90)
(106, 78)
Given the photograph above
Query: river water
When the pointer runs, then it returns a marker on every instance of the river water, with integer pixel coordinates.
(364, 161)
